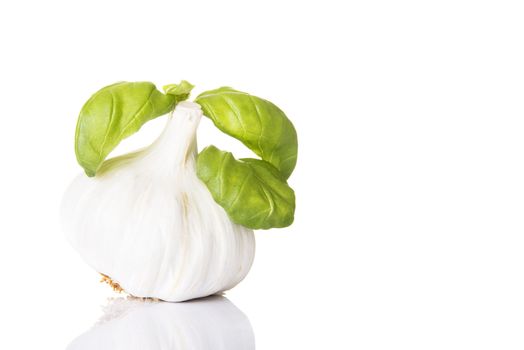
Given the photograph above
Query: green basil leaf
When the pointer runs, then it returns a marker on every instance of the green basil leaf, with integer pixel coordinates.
(253, 192)
(179, 91)
(257, 123)
(116, 112)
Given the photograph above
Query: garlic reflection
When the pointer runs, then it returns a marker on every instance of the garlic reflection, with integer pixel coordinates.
(210, 323)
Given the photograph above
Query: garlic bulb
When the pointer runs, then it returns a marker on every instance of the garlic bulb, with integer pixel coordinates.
(210, 324)
(148, 222)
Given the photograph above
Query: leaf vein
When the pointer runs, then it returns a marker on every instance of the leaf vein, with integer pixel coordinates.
(261, 126)
(236, 113)
(111, 118)
(221, 178)
(137, 113)
(240, 189)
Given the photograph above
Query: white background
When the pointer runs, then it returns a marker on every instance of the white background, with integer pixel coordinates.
(410, 181)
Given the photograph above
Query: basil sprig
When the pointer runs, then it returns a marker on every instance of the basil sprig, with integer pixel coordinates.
(254, 192)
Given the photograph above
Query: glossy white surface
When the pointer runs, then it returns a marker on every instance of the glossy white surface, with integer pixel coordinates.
(213, 323)
(409, 225)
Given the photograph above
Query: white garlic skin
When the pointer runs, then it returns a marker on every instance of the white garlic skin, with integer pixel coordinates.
(147, 221)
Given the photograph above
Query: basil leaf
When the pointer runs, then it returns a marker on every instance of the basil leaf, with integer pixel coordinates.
(179, 91)
(116, 112)
(253, 192)
(257, 123)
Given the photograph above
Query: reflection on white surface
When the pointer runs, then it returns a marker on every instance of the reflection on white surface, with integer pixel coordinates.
(210, 323)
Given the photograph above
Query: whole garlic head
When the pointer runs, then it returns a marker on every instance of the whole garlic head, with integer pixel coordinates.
(149, 223)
